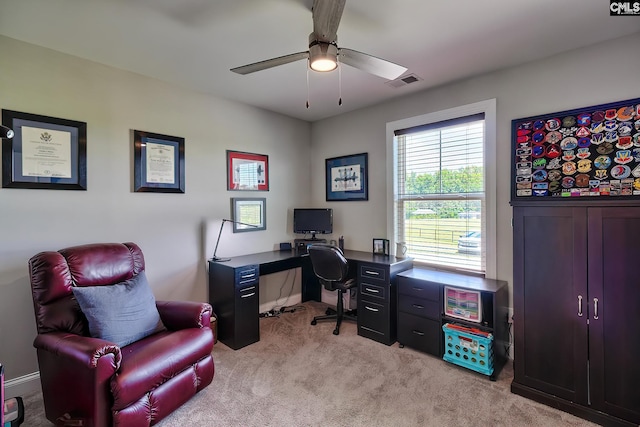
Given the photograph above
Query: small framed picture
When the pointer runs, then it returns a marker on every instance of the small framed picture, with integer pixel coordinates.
(249, 214)
(381, 246)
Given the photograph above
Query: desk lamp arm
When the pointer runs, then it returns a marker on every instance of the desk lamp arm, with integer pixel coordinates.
(215, 258)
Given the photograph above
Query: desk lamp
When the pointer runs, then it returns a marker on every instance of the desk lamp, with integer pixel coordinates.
(217, 259)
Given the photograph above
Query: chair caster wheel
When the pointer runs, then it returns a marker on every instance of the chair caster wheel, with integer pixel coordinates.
(336, 331)
(328, 311)
(401, 345)
(313, 322)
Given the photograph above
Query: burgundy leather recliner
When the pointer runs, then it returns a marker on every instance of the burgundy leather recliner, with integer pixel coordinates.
(94, 380)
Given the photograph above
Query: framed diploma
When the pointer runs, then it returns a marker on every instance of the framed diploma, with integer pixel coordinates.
(45, 152)
(158, 163)
(247, 171)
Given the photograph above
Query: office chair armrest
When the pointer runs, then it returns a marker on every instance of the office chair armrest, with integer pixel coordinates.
(178, 315)
(87, 352)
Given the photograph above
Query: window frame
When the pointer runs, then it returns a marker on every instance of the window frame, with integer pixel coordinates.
(488, 107)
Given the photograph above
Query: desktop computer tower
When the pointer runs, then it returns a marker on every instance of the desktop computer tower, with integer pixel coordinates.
(349, 299)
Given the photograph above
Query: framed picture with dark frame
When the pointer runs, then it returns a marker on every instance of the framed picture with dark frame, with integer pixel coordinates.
(381, 246)
(346, 178)
(588, 153)
(45, 152)
(248, 214)
(158, 163)
(247, 171)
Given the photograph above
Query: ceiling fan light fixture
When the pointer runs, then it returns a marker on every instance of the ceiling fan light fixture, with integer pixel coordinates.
(323, 57)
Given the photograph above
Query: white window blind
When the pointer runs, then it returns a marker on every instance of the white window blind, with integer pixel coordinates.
(440, 192)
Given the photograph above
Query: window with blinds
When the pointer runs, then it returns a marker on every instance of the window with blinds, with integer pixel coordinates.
(440, 192)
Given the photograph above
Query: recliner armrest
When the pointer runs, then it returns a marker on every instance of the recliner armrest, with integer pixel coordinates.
(86, 351)
(185, 314)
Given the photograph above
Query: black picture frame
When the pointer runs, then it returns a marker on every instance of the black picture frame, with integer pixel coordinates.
(588, 153)
(248, 214)
(381, 246)
(45, 152)
(168, 166)
(346, 178)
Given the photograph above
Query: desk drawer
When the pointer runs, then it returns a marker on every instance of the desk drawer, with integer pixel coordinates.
(373, 317)
(420, 333)
(419, 307)
(373, 290)
(419, 288)
(376, 272)
(246, 275)
(247, 291)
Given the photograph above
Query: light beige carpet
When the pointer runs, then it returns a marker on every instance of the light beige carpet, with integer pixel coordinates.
(303, 375)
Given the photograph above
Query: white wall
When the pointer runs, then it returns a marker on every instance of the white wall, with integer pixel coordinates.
(593, 75)
(175, 231)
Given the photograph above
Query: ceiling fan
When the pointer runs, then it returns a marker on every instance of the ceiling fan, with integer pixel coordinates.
(324, 54)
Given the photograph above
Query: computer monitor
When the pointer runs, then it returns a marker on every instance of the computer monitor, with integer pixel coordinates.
(313, 221)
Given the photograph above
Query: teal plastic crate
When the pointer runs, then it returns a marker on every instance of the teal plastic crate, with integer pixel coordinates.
(468, 350)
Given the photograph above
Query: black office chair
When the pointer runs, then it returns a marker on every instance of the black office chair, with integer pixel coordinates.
(331, 268)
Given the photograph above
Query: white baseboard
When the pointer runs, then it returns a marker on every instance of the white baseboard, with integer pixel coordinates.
(22, 385)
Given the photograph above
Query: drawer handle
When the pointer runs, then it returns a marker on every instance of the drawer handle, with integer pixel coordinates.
(242, 282)
(417, 289)
(418, 306)
(373, 273)
(579, 305)
(246, 276)
(250, 288)
(371, 309)
(248, 295)
(418, 333)
(374, 291)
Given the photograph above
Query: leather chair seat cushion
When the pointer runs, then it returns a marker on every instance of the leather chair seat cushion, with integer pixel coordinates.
(156, 359)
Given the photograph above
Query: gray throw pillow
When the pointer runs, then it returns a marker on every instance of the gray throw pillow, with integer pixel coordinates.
(122, 313)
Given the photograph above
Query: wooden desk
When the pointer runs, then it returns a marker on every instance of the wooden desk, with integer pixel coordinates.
(234, 292)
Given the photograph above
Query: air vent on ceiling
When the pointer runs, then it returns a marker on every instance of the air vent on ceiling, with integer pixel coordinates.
(404, 80)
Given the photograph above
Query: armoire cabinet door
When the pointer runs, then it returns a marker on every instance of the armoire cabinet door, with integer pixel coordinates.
(614, 329)
(550, 278)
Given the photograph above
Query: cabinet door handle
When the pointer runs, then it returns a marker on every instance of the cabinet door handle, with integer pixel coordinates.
(371, 309)
(579, 305)
(418, 306)
(374, 291)
(417, 289)
(418, 333)
(595, 308)
(373, 273)
(248, 295)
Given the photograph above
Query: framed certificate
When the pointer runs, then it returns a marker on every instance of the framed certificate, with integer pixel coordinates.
(158, 163)
(247, 171)
(45, 152)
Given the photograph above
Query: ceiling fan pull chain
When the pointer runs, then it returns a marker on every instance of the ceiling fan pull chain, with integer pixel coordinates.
(307, 88)
(340, 83)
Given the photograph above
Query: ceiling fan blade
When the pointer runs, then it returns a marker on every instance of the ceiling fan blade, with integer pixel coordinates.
(370, 64)
(270, 63)
(326, 18)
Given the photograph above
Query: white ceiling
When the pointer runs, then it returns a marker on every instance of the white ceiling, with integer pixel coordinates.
(194, 43)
